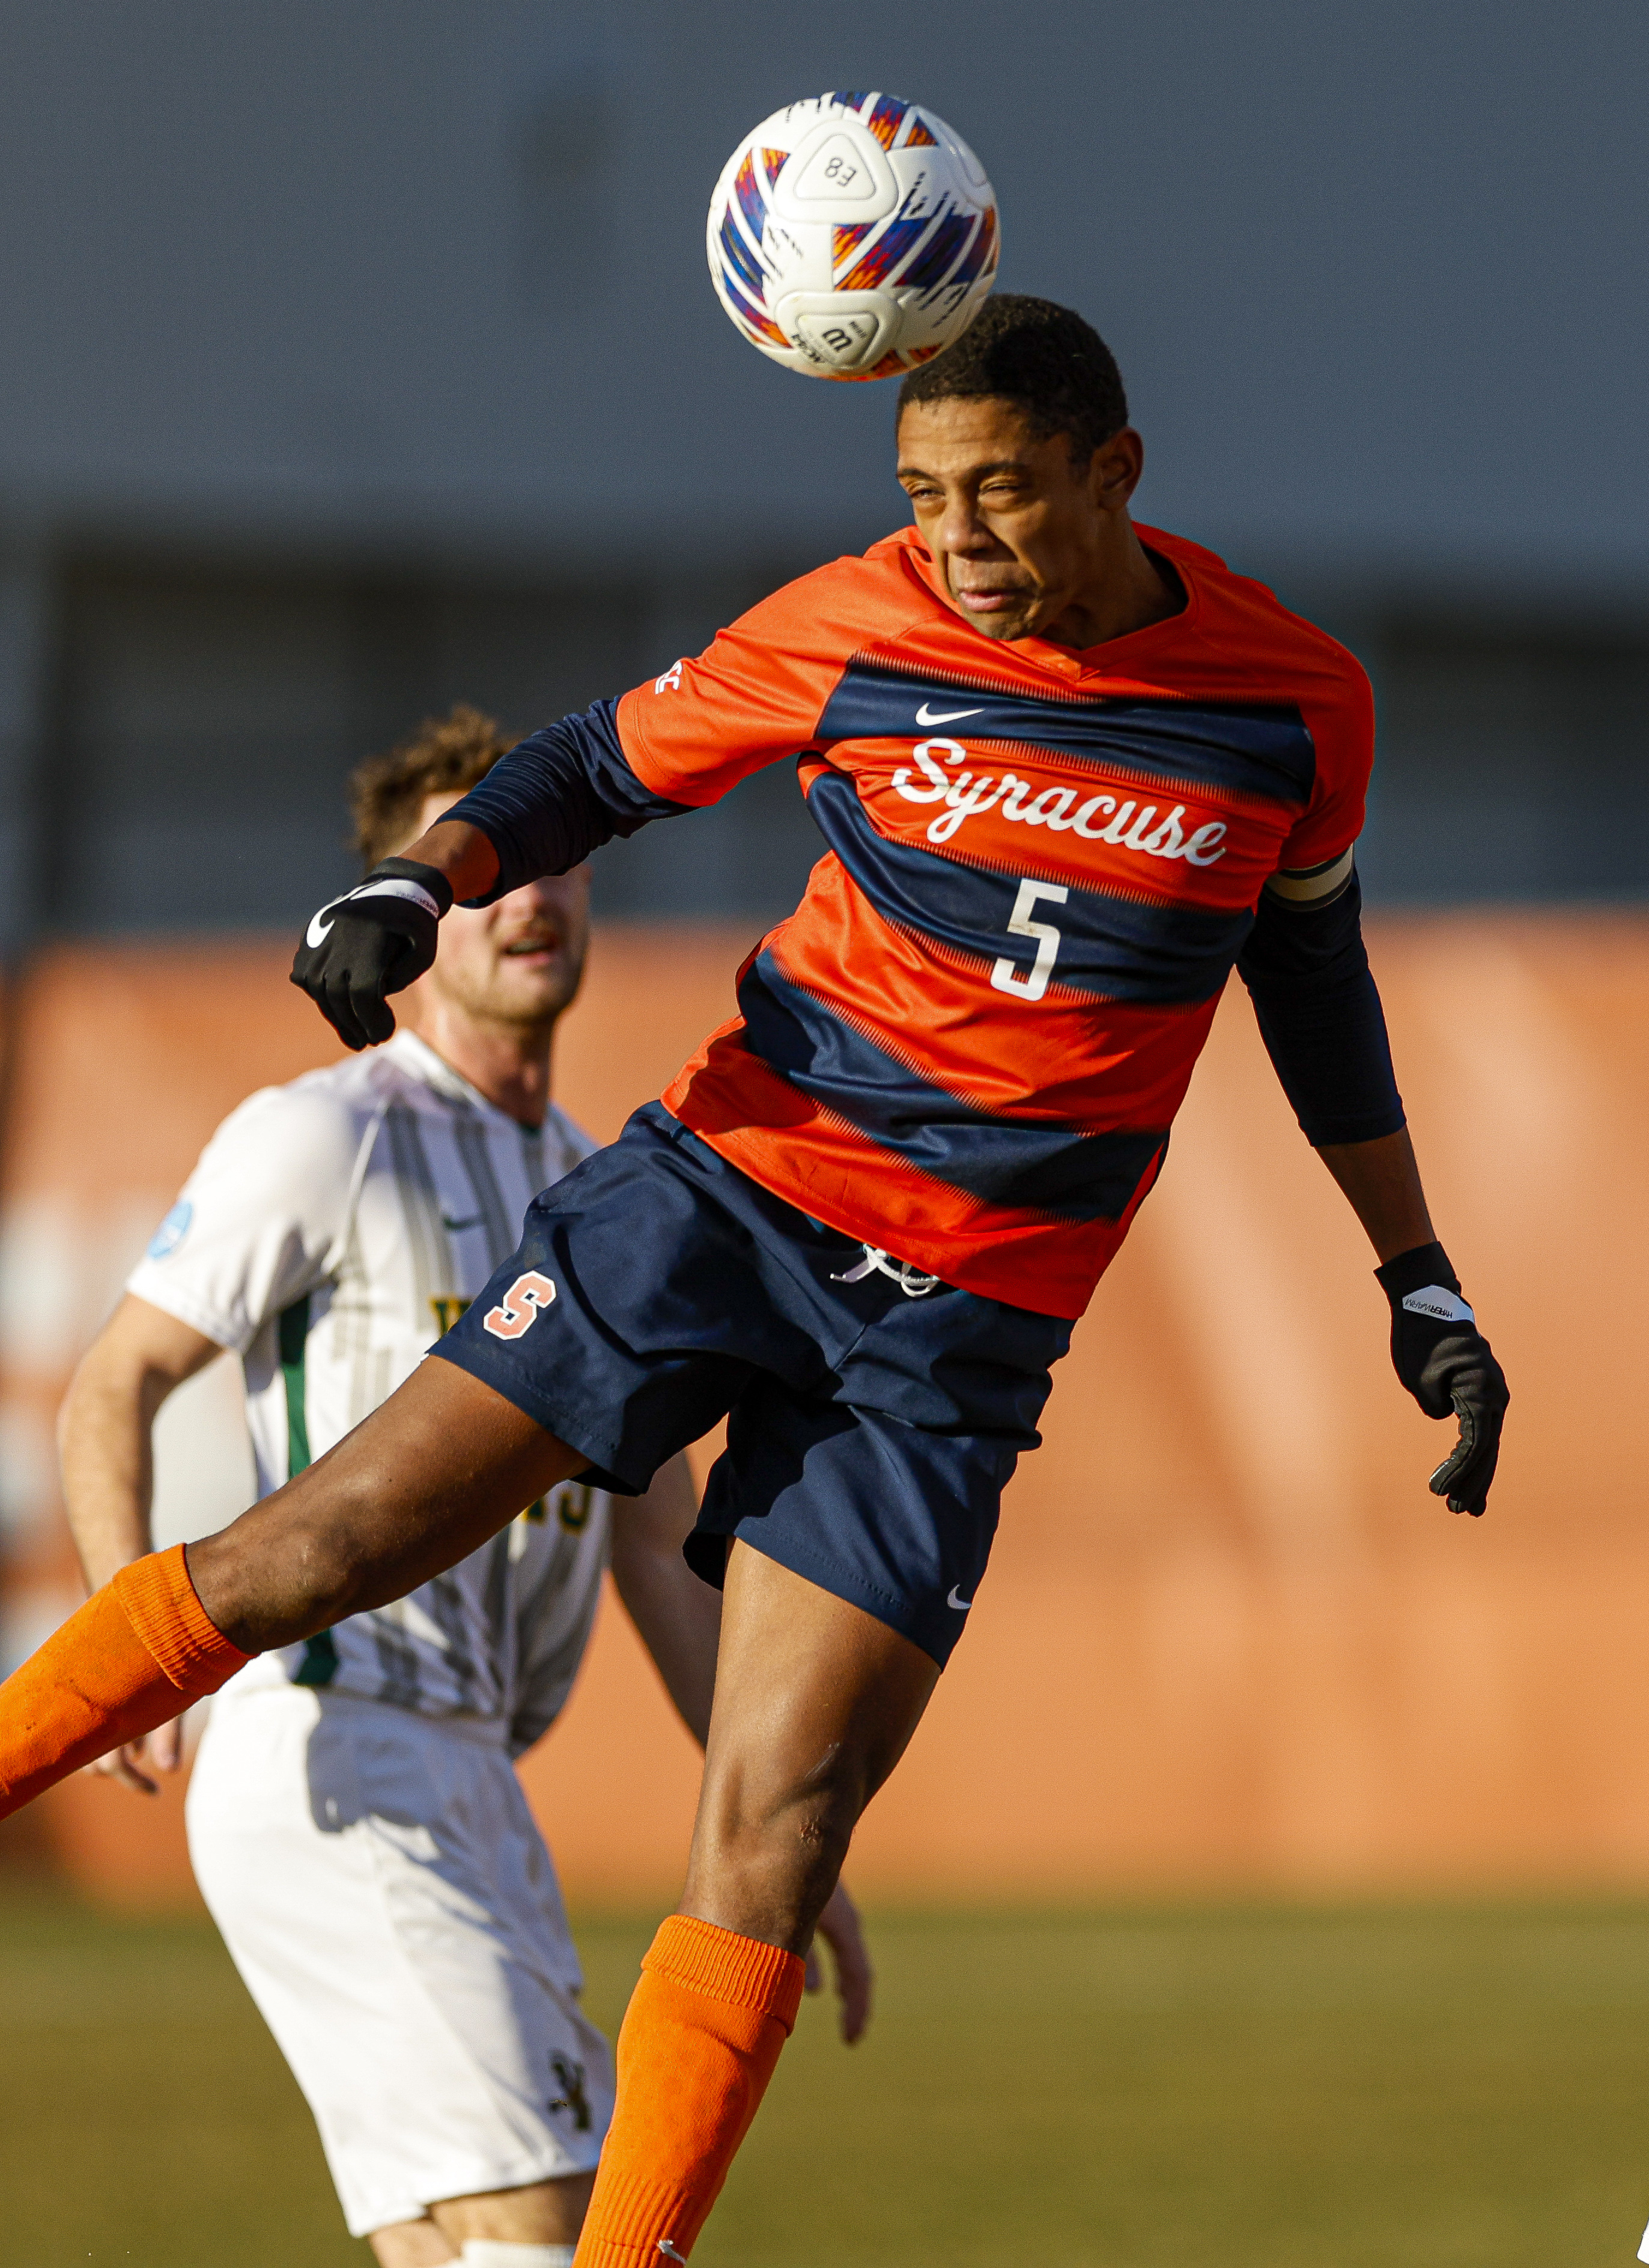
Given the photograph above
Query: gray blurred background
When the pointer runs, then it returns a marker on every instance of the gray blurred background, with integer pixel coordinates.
(359, 357)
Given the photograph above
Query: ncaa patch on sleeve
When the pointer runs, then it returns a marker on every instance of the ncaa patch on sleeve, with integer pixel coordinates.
(172, 1231)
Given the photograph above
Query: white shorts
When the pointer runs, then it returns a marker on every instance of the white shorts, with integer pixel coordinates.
(393, 1909)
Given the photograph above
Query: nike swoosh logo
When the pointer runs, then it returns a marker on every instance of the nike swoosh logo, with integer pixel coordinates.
(926, 715)
(475, 1221)
(960, 1605)
(318, 931)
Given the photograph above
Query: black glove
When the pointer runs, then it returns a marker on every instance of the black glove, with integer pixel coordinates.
(374, 939)
(1446, 1363)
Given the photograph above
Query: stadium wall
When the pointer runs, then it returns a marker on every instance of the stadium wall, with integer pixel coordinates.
(1227, 1639)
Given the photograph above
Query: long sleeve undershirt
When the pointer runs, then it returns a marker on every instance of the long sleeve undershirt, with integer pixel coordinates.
(557, 796)
(1319, 1014)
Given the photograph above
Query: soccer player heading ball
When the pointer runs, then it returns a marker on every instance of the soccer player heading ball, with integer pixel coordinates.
(1068, 771)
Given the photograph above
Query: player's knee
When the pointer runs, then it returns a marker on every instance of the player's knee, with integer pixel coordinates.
(784, 1835)
(778, 1881)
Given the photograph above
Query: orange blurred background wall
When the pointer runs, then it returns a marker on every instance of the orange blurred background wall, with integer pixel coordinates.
(1227, 1639)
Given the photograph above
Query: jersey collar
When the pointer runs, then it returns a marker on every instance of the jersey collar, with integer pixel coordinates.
(1115, 658)
(416, 1056)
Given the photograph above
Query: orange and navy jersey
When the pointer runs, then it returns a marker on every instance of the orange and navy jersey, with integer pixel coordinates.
(966, 1045)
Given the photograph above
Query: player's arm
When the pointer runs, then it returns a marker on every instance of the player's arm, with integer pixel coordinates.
(555, 799)
(1320, 1014)
(677, 1618)
(103, 1434)
(673, 744)
(552, 799)
(256, 1225)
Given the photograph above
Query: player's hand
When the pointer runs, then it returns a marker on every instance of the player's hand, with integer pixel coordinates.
(1447, 1365)
(162, 1751)
(375, 939)
(839, 1926)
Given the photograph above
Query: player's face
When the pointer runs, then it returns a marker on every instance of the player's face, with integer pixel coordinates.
(1021, 532)
(519, 962)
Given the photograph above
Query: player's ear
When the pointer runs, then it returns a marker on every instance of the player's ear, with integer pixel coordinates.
(1114, 469)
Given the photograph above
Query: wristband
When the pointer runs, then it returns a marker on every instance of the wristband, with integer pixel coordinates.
(1422, 1282)
(407, 877)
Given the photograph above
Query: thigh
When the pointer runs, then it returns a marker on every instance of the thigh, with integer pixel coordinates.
(889, 1517)
(471, 1894)
(423, 1482)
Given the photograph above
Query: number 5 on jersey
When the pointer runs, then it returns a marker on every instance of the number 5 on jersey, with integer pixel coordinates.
(521, 1306)
(1029, 983)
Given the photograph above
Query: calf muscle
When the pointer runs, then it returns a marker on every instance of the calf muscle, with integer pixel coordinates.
(815, 1704)
(431, 1474)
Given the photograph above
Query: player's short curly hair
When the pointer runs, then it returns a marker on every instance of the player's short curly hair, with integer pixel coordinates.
(445, 754)
(1056, 369)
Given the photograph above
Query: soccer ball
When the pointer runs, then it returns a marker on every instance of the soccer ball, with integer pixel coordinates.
(853, 236)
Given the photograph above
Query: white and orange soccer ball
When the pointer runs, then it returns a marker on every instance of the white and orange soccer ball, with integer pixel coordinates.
(853, 236)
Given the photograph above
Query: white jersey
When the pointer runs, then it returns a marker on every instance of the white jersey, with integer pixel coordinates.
(331, 1231)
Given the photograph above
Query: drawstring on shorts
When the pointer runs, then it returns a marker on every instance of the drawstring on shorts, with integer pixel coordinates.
(910, 1280)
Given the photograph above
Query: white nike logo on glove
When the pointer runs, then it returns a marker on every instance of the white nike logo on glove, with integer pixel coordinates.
(926, 715)
(960, 1605)
(319, 930)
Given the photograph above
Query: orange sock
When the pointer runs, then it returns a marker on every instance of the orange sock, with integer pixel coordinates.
(135, 1653)
(699, 2045)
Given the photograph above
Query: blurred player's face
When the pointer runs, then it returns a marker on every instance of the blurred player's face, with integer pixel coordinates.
(518, 962)
(1030, 541)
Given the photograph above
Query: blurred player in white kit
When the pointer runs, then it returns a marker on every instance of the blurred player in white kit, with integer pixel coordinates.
(355, 1821)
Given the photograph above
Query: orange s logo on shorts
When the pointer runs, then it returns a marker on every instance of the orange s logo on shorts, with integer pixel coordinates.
(524, 1300)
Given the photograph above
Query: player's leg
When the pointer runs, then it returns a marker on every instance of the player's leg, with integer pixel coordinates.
(532, 2228)
(536, 2226)
(432, 1473)
(861, 1523)
(815, 1702)
(391, 1906)
(412, 2244)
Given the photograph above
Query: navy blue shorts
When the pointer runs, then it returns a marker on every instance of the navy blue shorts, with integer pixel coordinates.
(870, 1432)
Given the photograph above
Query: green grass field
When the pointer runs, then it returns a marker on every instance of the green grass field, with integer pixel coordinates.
(1261, 2088)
